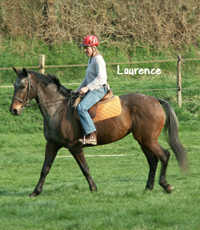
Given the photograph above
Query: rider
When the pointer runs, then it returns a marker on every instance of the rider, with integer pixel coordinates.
(94, 86)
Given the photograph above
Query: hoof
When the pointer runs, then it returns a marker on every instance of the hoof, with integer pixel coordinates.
(149, 188)
(93, 189)
(34, 194)
(169, 188)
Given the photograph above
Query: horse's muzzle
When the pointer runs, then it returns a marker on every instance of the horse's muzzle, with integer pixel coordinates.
(17, 110)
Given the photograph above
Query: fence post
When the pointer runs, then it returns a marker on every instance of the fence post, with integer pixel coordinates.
(179, 80)
(41, 68)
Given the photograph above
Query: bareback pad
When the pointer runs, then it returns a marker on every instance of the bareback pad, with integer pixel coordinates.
(109, 106)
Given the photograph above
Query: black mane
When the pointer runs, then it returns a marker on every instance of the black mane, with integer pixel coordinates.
(52, 79)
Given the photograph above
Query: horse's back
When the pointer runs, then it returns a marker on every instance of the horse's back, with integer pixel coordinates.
(143, 103)
(134, 105)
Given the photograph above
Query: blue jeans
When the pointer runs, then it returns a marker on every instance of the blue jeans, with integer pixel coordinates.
(88, 101)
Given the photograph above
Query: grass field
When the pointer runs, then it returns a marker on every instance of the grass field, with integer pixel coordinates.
(120, 203)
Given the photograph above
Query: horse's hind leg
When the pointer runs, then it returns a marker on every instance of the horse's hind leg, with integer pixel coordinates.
(161, 154)
(164, 162)
(153, 162)
(50, 154)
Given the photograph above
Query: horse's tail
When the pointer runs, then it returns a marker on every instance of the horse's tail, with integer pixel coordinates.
(171, 132)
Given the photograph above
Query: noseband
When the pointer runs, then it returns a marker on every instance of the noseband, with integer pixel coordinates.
(26, 98)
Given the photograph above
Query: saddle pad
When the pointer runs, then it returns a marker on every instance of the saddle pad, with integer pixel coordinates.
(108, 109)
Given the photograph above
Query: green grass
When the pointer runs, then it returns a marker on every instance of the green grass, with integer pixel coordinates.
(120, 203)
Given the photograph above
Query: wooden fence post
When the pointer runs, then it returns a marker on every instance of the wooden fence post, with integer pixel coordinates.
(41, 68)
(179, 80)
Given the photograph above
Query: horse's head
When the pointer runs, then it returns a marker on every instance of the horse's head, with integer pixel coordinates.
(24, 91)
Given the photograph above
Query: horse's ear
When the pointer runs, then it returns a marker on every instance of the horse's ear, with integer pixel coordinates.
(25, 72)
(16, 71)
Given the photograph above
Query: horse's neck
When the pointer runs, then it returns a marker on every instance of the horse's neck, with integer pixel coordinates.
(50, 102)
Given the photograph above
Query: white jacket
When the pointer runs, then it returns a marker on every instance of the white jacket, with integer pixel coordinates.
(96, 74)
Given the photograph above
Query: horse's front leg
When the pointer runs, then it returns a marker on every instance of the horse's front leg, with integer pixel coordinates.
(50, 154)
(80, 158)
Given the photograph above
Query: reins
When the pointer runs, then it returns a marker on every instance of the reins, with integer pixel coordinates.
(42, 103)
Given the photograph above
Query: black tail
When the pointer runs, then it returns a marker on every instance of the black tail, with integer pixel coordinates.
(171, 131)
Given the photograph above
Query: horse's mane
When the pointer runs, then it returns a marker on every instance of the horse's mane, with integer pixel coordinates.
(52, 79)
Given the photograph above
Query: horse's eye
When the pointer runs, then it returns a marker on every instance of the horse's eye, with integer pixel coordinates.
(22, 86)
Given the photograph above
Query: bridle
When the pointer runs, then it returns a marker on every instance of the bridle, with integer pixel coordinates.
(26, 97)
(25, 101)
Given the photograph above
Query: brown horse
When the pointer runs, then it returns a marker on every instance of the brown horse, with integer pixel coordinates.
(141, 115)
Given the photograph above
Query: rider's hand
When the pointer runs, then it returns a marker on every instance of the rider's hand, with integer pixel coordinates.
(84, 90)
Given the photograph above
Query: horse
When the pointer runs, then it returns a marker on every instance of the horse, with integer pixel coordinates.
(141, 115)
